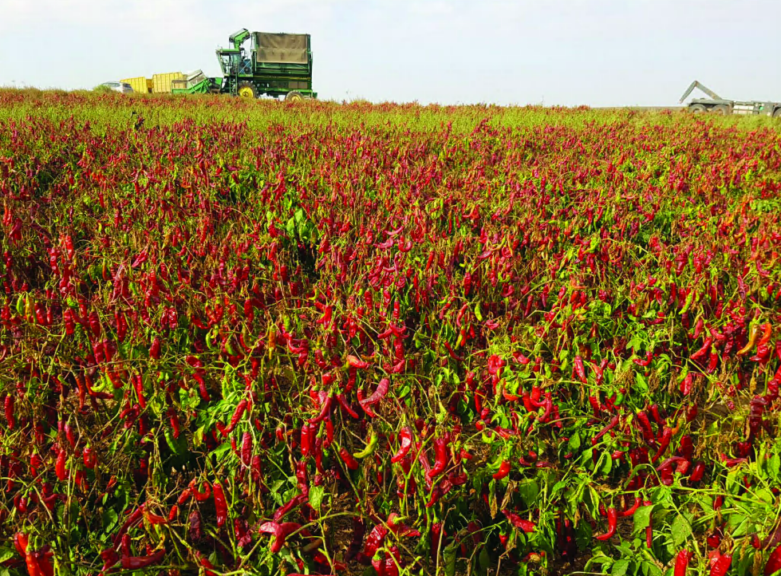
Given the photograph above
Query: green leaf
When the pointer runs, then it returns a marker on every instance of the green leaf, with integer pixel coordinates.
(681, 530)
(109, 519)
(6, 554)
(584, 536)
(620, 568)
(574, 442)
(316, 494)
(643, 517)
(483, 562)
(774, 465)
(529, 492)
(608, 465)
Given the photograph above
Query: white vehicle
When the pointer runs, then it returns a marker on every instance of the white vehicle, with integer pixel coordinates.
(121, 87)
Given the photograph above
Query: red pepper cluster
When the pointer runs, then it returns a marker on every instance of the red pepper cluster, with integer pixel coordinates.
(463, 337)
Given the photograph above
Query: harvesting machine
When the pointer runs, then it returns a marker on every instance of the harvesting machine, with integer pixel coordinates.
(275, 65)
(718, 105)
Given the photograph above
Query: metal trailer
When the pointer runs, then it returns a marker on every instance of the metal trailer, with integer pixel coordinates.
(718, 105)
(276, 64)
(196, 83)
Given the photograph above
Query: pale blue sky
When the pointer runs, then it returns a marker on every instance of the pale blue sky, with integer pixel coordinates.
(568, 52)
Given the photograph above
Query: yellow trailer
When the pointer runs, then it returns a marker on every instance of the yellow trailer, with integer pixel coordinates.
(161, 83)
(139, 84)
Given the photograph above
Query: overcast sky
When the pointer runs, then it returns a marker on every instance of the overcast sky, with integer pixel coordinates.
(567, 52)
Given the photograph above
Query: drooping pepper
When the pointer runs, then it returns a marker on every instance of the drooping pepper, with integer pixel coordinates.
(664, 442)
(280, 532)
(504, 470)
(375, 539)
(370, 446)
(405, 437)
(440, 458)
(682, 563)
(518, 522)
(773, 561)
(220, 505)
(374, 398)
(752, 339)
(721, 565)
(241, 407)
(348, 459)
(613, 423)
(612, 522)
(138, 562)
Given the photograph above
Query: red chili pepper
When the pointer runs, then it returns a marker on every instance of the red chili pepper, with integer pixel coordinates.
(343, 403)
(580, 369)
(357, 362)
(773, 562)
(154, 519)
(42, 561)
(667, 435)
(134, 518)
(294, 502)
(405, 437)
(613, 423)
(612, 521)
(138, 384)
(721, 566)
(649, 531)
(645, 427)
(306, 439)
(440, 458)
(241, 407)
(246, 448)
(348, 459)
(89, 458)
(173, 513)
(202, 387)
(138, 562)
(631, 511)
(59, 467)
(374, 540)
(32, 565)
(8, 404)
(526, 525)
(686, 384)
(280, 532)
(184, 496)
(705, 349)
(376, 396)
(201, 496)
(220, 505)
(324, 409)
(682, 563)
(154, 350)
(504, 470)
(20, 542)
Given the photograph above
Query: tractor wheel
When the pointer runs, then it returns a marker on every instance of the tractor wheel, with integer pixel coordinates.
(777, 113)
(721, 110)
(293, 96)
(247, 90)
(697, 109)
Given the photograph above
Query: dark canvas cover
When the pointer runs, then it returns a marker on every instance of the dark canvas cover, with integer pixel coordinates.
(275, 48)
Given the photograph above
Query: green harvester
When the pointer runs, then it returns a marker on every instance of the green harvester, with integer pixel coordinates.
(276, 65)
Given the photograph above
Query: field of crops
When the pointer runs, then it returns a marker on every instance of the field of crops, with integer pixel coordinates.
(320, 338)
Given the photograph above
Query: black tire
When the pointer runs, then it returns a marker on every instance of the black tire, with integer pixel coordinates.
(777, 113)
(697, 109)
(293, 96)
(721, 110)
(247, 90)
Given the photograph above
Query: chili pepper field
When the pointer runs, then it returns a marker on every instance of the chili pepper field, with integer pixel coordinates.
(319, 338)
